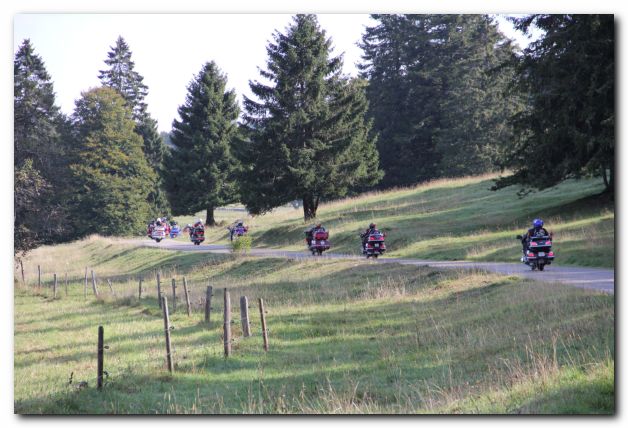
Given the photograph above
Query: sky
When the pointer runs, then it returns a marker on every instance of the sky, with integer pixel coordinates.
(169, 49)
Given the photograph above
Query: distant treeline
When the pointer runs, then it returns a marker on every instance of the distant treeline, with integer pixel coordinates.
(437, 95)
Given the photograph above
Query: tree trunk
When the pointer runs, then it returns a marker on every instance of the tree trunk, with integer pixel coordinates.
(603, 171)
(309, 207)
(209, 221)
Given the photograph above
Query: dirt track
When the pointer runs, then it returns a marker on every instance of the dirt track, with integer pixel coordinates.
(590, 278)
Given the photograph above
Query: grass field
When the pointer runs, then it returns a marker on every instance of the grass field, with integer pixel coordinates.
(452, 219)
(345, 337)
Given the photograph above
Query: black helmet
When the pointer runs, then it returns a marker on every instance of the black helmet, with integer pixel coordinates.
(372, 226)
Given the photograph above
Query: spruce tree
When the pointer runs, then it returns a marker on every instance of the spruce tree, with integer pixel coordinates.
(200, 167)
(436, 88)
(567, 128)
(111, 175)
(308, 137)
(122, 77)
(41, 174)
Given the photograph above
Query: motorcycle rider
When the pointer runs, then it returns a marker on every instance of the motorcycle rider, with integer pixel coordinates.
(365, 236)
(537, 229)
(234, 226)
(312, 230)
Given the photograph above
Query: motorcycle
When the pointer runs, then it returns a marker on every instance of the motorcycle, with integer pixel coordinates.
(175, 230)
(237, 231)
(539, 252)
(317, 242)
(375, 244)
(158, 233)
(197, 234)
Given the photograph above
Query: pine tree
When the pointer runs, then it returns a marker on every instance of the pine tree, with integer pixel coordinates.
(307, 136)
(112, 177)
(39, 155)
(122, 77)
(436, 94)
(154, 150)
(200, 167)
(568, 78)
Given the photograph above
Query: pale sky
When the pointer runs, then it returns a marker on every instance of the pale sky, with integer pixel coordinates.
(169, 49)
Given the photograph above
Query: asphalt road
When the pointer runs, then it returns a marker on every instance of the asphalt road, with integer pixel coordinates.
(602, 280)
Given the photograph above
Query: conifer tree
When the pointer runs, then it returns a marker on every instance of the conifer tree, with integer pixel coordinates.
(308, 137)
(436, 94)
(121, 76)
(200, 167)
(568, 126)
(112, 177)
(41, 174)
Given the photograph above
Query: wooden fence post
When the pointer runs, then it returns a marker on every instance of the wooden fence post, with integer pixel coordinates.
(174, 296)
(38, 276)
(244, 316)
(66, 284)
(140, 290)
(159, 289)
(54, 287)
(227, 324)
(208, 303)
(85, 287)
(164, 305)
(111, 287)
(264, 329)
(94, 284)
(187, 296)
(101, 334)
(22, 268)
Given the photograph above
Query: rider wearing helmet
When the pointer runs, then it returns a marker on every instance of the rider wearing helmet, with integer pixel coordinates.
(367, 233)
(537, 229)
(309, 234)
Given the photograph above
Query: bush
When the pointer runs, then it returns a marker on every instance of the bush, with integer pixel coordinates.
(241, 244)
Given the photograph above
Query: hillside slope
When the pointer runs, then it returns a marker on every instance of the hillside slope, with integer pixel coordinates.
(454, 219)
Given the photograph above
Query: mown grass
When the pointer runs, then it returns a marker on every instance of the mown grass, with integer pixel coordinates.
(454, 219)
(346, 337)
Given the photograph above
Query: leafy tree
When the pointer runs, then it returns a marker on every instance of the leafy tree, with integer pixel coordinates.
(307, 136)
(568, 78)
(112, 177)
(200, 167)
(435, 94)
(40, 168)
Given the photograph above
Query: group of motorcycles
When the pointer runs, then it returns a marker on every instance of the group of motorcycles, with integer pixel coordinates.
(161, 228)
(373, 241)
(537, 254)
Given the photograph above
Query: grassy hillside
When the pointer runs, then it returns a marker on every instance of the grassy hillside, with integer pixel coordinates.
(457, 219)
(345, 337)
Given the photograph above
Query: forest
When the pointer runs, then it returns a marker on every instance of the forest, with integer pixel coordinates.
(437, 96)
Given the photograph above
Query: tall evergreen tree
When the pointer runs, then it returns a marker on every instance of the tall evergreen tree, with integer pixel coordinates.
(568, 126)
(39, 155)
(308, 136)
(436, 94)
(199, 173)
(112, 177)
(121, 76)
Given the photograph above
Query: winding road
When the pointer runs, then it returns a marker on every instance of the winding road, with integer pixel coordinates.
(602, 280)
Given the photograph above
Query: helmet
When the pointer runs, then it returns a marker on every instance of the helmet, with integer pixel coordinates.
(537, 223)
(372, 226)
(319, 224)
